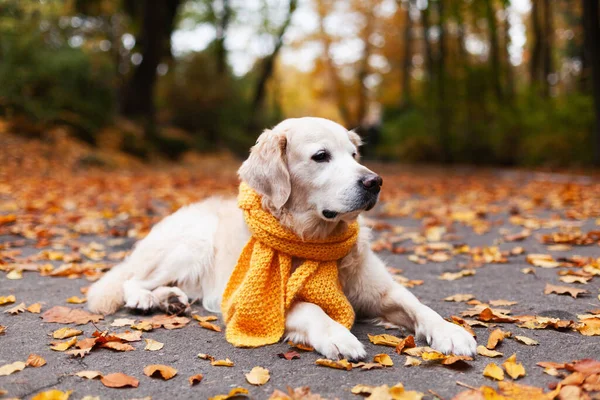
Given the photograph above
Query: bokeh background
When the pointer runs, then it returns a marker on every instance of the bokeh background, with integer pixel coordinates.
(504, 82)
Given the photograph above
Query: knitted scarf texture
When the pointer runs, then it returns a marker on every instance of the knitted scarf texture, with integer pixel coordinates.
(262, 286)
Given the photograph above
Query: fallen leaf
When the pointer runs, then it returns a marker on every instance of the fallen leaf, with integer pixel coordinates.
(290, 355)
(489, 315)
(412, 362)
(52, 395)
(195, 379)
(496, 337)
(406, 343)
(208, 325)
(258, 376)
(526, 340)
(11, 368)
(7, 299)
(15, 274)
(16, 309)
(168, 321)
(66, 315)
(143, 326)
(301, 346)
(62, 346)
(202, 318)
(484, 351)
(493, 371)
(417, 351)
(502, 303)
(574, 292)
(128, 336)
(233, 393)
(118, 346)
(89, 374)
(452, 359)
(367, 366)
(513, 369)
(528, 270)
(153, 345)
(35, 361)
(443, 358)
(575, 279)
(452, 276)
(222, 363)
(156, 370)
(35, 308)
(119, 380)
(64, 333)
(362, 389)
(542, 260)
(460, 297)
(340, 364)
(119, 322)
(2, 329)
(385, 340)
(383, 359)
(589, 327)
(515, 391)
(76, 300)
(206, 357)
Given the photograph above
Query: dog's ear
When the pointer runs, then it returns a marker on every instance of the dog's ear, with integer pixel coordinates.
(355, 139)
(266, 170)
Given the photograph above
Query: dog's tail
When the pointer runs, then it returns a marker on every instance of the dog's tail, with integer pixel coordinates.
(106, 296)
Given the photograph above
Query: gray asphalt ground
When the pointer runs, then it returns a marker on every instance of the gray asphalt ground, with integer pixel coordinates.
(26, 333)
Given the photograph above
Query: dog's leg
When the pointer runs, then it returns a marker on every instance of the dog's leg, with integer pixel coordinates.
(172, 300)
(307, 323)
(373, 293)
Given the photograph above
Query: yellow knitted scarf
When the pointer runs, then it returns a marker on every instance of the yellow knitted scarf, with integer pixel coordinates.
(262, 287)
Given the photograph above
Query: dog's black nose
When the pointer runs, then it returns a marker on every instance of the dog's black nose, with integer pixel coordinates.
(371, 183)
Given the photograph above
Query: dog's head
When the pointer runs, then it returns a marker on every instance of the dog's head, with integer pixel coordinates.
(309, 166)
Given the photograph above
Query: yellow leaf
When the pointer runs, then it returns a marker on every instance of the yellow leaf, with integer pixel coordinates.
(195, 379)
(89, 374)
(203, 318)
(35, 308)
(493, 371)
(209, 326)
(258, 376)
(52, 395)
(589, 327)
(432, 356)
(452, 276)
(64, 333)
(362, 389)
(385, 340)
(526, 340)
(156, 370)
(143, 326)
(483, 351)
(460, 297)
(496, 337)
(222, 363)
(412, 362)
(35, 361)
(76, 300)
(232, 394)
(16, 309)
(119, 322)
(341, 364)
(513, 369)
(62, 346)
(7, 299)
(153, 345)
(11, 368)
(383, 359)
(15, 274)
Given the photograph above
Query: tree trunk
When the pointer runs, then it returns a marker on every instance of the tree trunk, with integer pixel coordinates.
(547, 46)
(427, 42)
(221, 29)
(441, 74)
(591, 26)
(536, 50)
(363, 72)
(494, 49)
(268, 63)
(510, 77)
(407, 60)
(154, 39)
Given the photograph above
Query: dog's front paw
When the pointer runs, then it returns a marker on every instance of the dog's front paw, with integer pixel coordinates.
(450, 338)
(339, 342)
(140, 300)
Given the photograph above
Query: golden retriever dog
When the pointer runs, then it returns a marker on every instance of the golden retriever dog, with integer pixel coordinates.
(307, 171)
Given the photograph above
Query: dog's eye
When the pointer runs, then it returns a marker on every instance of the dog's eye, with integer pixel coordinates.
(354, 155)
(321, 156)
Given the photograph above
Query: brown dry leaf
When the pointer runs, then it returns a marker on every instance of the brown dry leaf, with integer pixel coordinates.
(206, 357)
(466, 325)
(222, 363)
(452, 276)
(537, 322)
(66, 315)
(7, 299)
(153, 345)
(385, 340)
(35, 361)
(87, 343)
(460, 297)
(301, 346)
(493, 315)
(493, 371)
(406, 343)
(258, 376)
(119, 322)
(89, 374)
(118, 346)
(412, 362)
(195, 379)
(159, 370)
(418, 351)
(12, 368)
(290, 355)
(2, 329)
(526, 340)
(119, 380)
(16, 309)
(589, 327)
(574, 292)
(443, 358)
(76, 300)
(367, 366)
(513, 369)
(528, 270)
(576, 378)
(340, 364)
(484, 351)
(502, 303)
(592, 383)
(35, 308)
(209, 326)
(575, 279)
(496, 337)
(383, 359)
(542, 260)
(53, 394)
(168, 321)
(129, 336)
(233, 393)
(204, 318)
(63, 346)
(515, 391)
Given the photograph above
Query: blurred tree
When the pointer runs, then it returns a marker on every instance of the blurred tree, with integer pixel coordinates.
(591, 26)
(408, 53)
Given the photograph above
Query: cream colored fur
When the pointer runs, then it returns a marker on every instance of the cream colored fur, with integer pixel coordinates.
(191, 253)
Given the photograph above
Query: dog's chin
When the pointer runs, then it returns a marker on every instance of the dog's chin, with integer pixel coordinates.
(350, 214)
